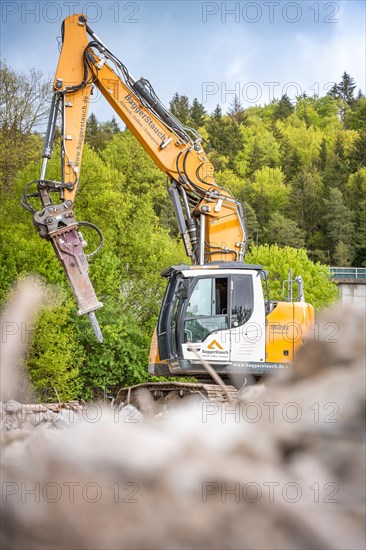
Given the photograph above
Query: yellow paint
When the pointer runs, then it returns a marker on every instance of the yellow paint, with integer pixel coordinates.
(70, 72)
(214, 344)
(286, 327)
(154, 352)
(227, 227)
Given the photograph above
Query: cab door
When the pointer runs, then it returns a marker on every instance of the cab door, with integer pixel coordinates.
(206, 325)
(247, 318)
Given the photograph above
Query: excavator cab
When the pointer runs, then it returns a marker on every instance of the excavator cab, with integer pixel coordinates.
(218, 313)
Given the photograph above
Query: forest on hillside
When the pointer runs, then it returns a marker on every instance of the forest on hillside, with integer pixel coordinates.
(298, 167)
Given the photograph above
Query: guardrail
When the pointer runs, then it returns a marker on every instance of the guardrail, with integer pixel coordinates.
(347, 272)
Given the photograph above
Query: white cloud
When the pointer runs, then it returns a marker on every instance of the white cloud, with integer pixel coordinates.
(178, 52)
(325, 58)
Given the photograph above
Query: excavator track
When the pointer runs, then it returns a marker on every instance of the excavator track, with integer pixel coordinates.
(168, 392)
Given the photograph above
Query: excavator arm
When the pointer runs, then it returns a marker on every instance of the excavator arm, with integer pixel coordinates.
(210, 219)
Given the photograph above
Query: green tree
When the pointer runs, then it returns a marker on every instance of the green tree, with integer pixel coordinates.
(197, 114)
(214, 128)
(23, 112)
(339, 224)
(259, 148)
(268, 193)
(236, 110)
(343, 92)
(306, 205)
(255, 158)
(224, 135)
(179, 107)
(23, 101)
(290, 160)
(55, 356)
(305, 140)
(92, 132)
(114, 126)
(327, 109)
(99, 134)
(251, 224)
(358, 153)
(284, 232)
(306, 110)
(135, 171)
(344, 89)
(323, 155)
(319, 291)
(337, 167)
(284, 108)
(355, 118)
(109, 129)
(126, 276)
(356, 188)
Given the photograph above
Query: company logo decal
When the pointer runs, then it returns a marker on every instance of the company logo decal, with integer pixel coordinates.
(215, 350)
(214, 344)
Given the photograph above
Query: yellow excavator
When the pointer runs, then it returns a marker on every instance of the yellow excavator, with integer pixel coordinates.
(215, 311)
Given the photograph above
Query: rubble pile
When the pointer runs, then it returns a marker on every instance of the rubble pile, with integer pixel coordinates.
(282, 468)
(25, 416)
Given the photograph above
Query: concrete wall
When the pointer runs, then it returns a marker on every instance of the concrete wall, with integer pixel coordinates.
(353, 291)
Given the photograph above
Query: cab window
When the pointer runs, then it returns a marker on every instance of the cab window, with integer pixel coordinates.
(207, 310)
(209, 297)
(242, 300)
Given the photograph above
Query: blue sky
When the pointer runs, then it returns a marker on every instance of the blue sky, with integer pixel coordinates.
(208, 50)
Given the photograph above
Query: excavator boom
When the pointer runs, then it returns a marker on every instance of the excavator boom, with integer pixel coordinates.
(205, 210)
(209, 218)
